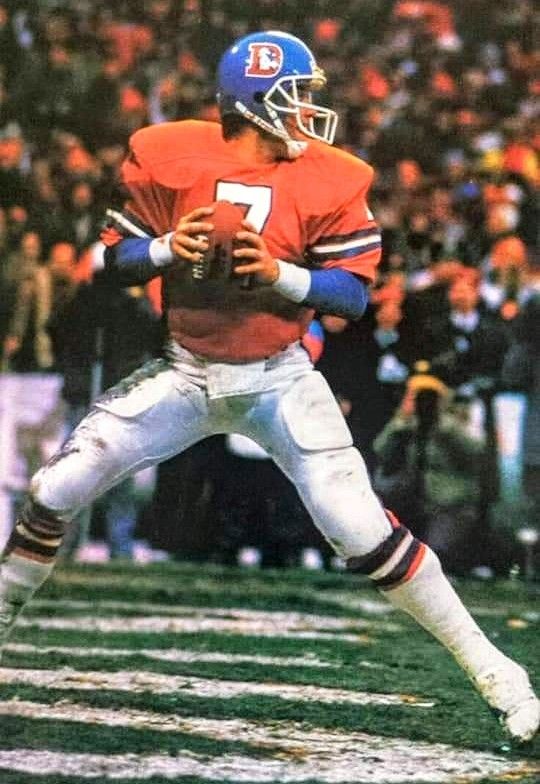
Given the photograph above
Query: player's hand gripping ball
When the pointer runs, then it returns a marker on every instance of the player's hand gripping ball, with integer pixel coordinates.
(218, 262)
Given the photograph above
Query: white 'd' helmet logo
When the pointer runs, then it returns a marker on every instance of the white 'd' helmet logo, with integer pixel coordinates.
(264, 60)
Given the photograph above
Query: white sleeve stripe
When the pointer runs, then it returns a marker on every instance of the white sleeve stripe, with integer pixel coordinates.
(394, 559)
(336, 247)
(122, 221)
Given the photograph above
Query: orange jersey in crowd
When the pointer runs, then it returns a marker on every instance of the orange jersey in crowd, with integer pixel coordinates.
(311, 211)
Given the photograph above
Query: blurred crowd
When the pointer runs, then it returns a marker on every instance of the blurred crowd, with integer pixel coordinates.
(442, 99)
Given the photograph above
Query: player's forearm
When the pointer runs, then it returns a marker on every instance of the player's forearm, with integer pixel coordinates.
(135, 261)
(335, 292)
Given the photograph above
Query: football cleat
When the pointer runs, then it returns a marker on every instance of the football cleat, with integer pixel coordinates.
(507, 690)
(269, 77)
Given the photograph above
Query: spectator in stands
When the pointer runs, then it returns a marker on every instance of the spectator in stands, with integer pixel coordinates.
(367, 365)
(428, 469)
(99, 336)
(10, 49)
(16, 271)
(467, 345)
(521, 371)
(81, 221)
(14, 186)
(45, 213)
(27, 344)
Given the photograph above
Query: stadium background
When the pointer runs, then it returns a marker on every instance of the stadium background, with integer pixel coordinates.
(210, 671)
(440, 98)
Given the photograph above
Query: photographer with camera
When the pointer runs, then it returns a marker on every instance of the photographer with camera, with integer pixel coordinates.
(428, 467)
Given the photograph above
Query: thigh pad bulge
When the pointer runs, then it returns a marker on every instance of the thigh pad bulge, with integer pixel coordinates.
(312, 415)
(139, 391)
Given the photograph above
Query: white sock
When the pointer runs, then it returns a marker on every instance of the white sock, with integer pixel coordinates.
(434, 604)
(20, 578)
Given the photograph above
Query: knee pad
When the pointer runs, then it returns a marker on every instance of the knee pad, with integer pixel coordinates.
(395, 561)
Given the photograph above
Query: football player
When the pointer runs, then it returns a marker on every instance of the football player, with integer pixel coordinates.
(234, 361)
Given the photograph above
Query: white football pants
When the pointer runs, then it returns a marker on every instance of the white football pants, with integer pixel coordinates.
(168, 404)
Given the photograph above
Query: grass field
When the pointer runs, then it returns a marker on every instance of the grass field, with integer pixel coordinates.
(216, 675)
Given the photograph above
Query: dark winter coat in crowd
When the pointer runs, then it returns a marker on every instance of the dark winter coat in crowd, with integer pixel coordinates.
(367, 370)
(101, 330)
(521, 371)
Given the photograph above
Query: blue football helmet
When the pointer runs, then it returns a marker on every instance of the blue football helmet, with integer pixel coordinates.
(267, 77)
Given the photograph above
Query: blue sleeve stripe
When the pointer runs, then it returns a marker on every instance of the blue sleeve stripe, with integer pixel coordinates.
(337, 292)
(330, 239)
(357, 250)
(129, 262)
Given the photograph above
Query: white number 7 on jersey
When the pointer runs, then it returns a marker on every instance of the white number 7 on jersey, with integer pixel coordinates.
(257, 198)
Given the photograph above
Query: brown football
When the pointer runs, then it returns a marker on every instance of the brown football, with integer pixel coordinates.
(218, 261)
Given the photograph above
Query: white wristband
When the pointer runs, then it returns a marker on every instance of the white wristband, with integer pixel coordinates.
(160, 251)
(293, 281)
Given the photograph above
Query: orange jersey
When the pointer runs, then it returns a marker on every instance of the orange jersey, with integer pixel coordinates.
(311, 211)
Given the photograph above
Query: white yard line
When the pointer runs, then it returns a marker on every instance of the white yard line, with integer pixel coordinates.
(295, 755)
(175, 655)
(346, 601)
(379, 607)
(271, 617)
(359, 603)
(368, 606)
(263, 627)
(328, 757)
(362, 599)
(156, 683)
(293, 752)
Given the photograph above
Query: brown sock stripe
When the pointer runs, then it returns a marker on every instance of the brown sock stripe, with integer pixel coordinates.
(401, 569)
(48, 541)
(41, 528)
(40, 531)
(30, 556)
(18, 541)
(44, 521)
(372, 561)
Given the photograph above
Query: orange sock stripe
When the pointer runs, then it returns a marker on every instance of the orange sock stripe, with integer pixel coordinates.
(393, 519)
(405, 567)
(413, 568)
(411, 571)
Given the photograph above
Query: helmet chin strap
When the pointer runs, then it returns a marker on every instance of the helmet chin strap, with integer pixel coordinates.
(293, 147)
